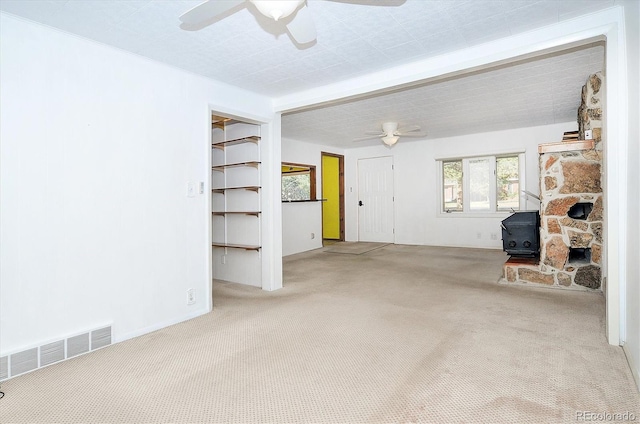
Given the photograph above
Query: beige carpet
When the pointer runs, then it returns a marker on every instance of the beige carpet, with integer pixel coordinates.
(353, 247)
(399, 334)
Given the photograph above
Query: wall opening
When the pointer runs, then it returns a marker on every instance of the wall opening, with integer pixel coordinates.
(580, 211)
(578, 255)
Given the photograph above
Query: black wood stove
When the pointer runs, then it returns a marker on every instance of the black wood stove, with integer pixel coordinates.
(521, 234)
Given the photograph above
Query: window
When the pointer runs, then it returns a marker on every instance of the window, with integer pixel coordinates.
(452, 172)
(482, 184)
(298, 182)
(508, 180)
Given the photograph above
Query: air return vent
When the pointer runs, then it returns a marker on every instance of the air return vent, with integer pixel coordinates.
(24, 361)
(100, 338)
(52, 352)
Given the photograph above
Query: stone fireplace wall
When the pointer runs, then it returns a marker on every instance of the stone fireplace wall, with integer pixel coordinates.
(570, 178)
(571, 206)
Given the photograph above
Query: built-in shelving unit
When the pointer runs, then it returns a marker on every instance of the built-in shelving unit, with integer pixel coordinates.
(236, 201)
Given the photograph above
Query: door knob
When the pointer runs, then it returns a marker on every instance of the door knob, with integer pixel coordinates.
(360, 203)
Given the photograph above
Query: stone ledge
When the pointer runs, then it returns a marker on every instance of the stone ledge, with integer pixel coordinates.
(566, 146)
(528, 284)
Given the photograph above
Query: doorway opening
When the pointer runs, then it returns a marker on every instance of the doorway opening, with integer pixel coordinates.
(332, 198)
(235, 223)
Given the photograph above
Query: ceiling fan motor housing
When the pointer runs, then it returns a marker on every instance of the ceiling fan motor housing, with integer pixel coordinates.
(276, 9)
(390, 128)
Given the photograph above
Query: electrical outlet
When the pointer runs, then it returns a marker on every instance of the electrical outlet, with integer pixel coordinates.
(494, 236)
(201, 187)
(191, 189)
(479, 235)
(191, 296)
(313, 235)
(588, 134)
(223, 259)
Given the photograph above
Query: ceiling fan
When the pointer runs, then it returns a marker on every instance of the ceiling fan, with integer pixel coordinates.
(390, 133)
(293, 14)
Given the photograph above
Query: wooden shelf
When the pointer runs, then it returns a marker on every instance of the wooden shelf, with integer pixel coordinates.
(248, 188)
(222, 144)
(222, 213)
(237, 246)
(221, 168)
(566, 146)
(304, 201)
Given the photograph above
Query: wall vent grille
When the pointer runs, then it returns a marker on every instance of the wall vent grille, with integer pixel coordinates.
(100, 338)
(50, 353)
(77, 345)
(24, 361)
(4, 368)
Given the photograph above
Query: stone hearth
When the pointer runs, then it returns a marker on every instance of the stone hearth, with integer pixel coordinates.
(571, 206)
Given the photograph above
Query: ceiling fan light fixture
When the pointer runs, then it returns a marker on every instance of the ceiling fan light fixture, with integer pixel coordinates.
(390, 140)
(276, 9)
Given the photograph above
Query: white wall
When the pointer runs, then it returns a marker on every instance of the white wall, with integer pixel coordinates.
(632, 339)
(418, 219)
(299, 220)
(97, 147)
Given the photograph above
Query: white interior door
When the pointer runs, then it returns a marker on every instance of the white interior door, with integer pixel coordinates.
(375, 199)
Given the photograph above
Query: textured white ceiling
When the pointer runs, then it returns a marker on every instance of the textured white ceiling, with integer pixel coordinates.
(543, 91)
(251, 52)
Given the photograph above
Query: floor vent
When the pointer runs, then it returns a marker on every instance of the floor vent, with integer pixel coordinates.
(50, 353)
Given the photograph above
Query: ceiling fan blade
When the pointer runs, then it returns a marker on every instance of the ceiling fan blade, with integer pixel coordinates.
(380, 133)
(301, 28)
(412, 135)
(208, 10)
(371, 137)
(409, 129)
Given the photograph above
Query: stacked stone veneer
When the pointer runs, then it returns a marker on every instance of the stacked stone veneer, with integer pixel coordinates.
(569, 177)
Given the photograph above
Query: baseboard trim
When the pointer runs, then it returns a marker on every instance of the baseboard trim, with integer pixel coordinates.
(158, 326)
(632, 365)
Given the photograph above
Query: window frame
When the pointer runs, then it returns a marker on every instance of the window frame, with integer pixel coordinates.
(493, 210)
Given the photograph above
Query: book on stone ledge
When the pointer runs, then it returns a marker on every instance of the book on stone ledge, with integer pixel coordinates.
(570, 136)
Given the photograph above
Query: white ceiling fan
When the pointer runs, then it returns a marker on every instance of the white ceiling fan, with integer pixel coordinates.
(390, 133)
(293, 14)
